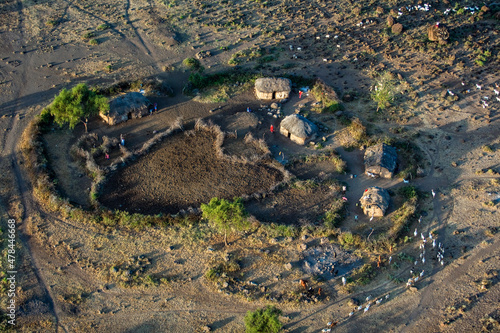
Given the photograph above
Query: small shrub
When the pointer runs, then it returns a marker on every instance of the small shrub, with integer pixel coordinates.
(364, 274)
(52, 23)
(408, 192)
(93, 42)
(103, 26)
(348, 240)
(192, 64)
(88, 35)
(487, 149)
(264, 320)
(384, 90)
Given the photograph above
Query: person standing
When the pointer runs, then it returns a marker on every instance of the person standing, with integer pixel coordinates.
(271, 129)
(300, 93)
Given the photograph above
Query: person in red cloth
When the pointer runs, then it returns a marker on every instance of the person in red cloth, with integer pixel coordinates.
(272, 129)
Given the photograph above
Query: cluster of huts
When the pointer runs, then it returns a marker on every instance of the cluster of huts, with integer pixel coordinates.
(380, 161)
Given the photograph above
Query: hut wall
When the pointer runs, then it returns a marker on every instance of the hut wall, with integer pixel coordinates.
(377, 170)
(114, 119)
(284, 131)
(264, 95)
(297, 140)
(282, 94)
(373, 210)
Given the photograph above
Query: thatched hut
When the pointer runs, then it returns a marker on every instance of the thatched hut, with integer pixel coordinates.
(128, 106)
(380, 160)
(298, 129)
(273, 88)
(375, 201)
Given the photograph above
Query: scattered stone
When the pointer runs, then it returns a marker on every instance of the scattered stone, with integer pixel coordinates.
(304, 237)
(324, 240)
(274, 105)
(397, 28)
(206, 328)
(288, 266)
(225, 284)
(303, 246)
(273, 241)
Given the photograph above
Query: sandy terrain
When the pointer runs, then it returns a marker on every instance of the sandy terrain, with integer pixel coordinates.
(74, 278)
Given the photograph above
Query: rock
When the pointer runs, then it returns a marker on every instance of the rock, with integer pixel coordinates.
(347, 98)
(324, 240)
(263, 289)
(206, 328)
(397, 28)
(225, 284)
(390, 21)
(273, 240)
(274, 105)
(302, 246)
(438, 33)
(339, 113)
(304, 237)
(289, 239)
(288, 266)
(203, 54)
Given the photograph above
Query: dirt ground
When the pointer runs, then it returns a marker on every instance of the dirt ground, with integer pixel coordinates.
(183, 172)
(75, 278)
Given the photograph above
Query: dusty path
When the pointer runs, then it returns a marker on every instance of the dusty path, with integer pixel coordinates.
(9, 150)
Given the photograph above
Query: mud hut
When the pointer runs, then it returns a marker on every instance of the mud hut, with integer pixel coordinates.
(380, 160)
(273, 88)
(128, 106)
(375, 201)
(298, 129)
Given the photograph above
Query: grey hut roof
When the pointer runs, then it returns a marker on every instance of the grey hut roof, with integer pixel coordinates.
(381, 155)
(269, 84)
(128, 102)
(299, 126)
(376, 196)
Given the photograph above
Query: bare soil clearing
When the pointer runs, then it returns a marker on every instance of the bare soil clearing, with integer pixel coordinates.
(67, 281)
(183, 172)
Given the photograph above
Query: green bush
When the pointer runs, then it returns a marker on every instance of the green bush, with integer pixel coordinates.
(408, 192)
(226, 216)
(88, 35)
(102, 27)
(264, 320)
(192, 63)
(384, 91)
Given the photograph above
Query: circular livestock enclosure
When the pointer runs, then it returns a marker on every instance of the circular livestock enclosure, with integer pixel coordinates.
(186, 170)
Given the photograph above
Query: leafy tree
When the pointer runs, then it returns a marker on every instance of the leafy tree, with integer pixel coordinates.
(225, 215)
(77, 105)
(264, 320)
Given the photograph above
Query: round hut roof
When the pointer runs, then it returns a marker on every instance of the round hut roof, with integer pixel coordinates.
(375, 196)
(270, 84)
(127, 102)
(299, 126)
